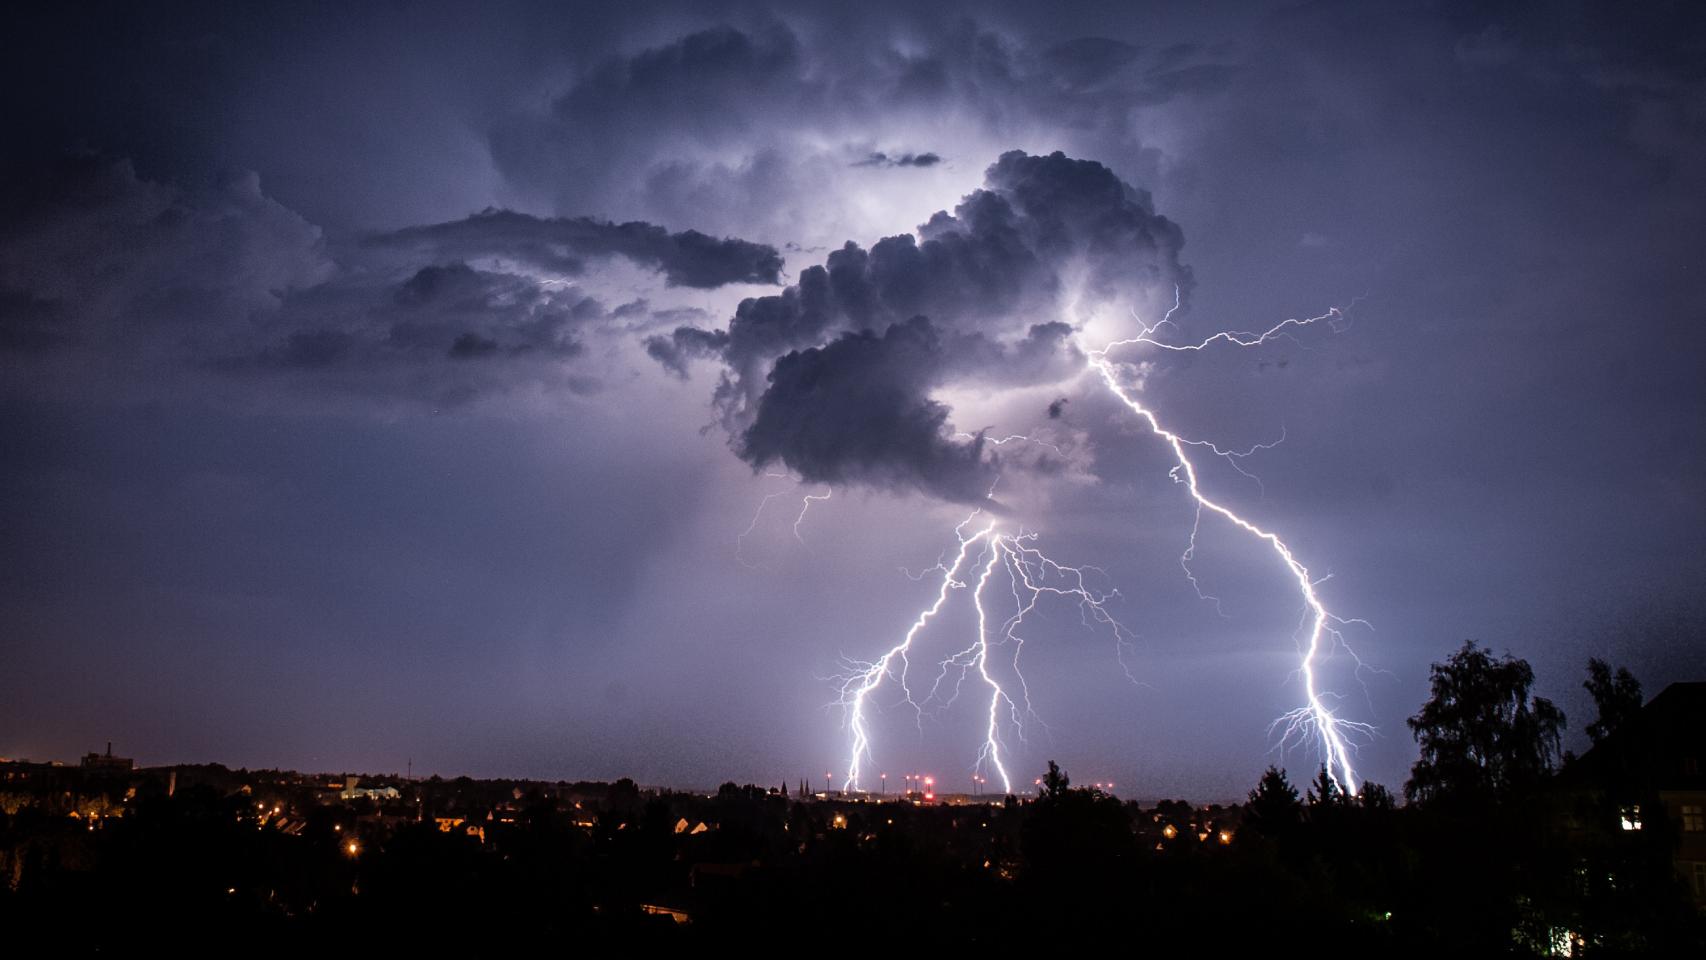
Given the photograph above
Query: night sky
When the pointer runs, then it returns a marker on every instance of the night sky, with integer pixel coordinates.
(393, 381)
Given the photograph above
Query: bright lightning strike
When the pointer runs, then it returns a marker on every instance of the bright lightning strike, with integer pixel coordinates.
(865, 678)
(806, 505)
(1315, 717)
(1033, 575)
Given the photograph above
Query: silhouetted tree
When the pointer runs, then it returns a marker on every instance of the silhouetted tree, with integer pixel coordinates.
(1481, 735)
(1373, 796)
(624, 795)
(1054, 782)
(1076, 843)
(1274, 807)
(1617, 696)
(1325, 791)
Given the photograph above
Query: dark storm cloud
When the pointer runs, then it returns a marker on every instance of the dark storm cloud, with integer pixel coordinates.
(676, 81)
(1089, 62)
(956, 303)
(684, 344)
(225, 278)
(1078, 210)
(446, 334)
(713, 85)
(102, 257)
(561, 245)
(739, 124)
(880, 159)
(858, 410)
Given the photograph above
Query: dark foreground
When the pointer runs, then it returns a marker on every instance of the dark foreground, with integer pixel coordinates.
(1504, 847)
(277, 861)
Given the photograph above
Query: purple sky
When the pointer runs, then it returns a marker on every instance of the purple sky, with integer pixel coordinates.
(376, 383)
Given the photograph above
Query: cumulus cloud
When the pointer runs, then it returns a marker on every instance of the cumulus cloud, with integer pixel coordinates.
(684, 344)
(833, 377)
(858, 411)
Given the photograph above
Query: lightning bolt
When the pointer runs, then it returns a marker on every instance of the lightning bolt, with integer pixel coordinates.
(991, 752)
(740, 539)
(1033, 575)
(864, 678)
(806, 502)
(806, 505)
(1315, 718)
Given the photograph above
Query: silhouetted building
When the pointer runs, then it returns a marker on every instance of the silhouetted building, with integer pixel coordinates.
(108, 762)
(1659, 753)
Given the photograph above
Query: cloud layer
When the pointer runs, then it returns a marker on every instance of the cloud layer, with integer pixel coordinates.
(833, 377)
(790, 130)
(317, 443)
(225, 280)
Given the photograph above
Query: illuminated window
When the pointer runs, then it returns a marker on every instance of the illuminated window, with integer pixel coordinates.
(1693, 819)
(1631, 818)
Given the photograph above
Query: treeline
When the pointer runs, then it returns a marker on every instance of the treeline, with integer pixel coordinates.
(1492, 852)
